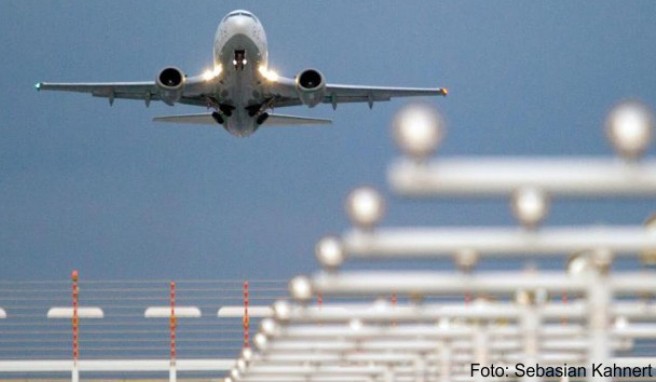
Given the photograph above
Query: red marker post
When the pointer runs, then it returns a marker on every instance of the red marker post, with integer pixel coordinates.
(172, 327)
(246, 318)
(394, 301)
(75, 323)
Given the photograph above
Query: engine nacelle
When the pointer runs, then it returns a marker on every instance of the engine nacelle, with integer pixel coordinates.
(311, 87)
(171, 82)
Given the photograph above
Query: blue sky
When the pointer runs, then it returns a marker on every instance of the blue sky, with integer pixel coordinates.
(107, 191)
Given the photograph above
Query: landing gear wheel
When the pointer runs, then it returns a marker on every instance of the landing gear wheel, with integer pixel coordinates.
(218, 118)
(226, 110)
(261, 118)
(253, 110)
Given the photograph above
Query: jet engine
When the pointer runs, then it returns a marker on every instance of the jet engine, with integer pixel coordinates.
(171, 82)
(311, 87)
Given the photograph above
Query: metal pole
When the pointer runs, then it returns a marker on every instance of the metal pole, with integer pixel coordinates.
(445, 361)
(530, 324)
(480, 347)
(599, 297)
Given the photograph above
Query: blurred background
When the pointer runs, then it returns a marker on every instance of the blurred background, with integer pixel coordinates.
(104, 190)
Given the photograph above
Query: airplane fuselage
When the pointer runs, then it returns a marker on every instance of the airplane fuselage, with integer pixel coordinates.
(240, 50)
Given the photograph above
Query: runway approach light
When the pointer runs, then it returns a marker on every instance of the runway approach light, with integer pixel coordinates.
(329, 252)
(629, 127)
(247, 354)
(355, 325)
(260, 342)
(241, 365)
(365, 207)
(621, 322)
(82, 312)
(466, 259)
(418, 130)
(300, 288)
(269, 327)
(282, 310)
(530, 206)
(578, 264)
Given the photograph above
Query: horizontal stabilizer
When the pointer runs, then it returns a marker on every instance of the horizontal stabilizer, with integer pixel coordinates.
(283, 120)
(199, 119)
(273, 120)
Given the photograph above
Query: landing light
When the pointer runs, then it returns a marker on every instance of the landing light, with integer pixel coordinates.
(210, 74)
(269, 74)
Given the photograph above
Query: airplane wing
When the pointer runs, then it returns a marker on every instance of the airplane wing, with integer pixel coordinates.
(287, 95)
(273, 120)
(283, 91)
(146, 91)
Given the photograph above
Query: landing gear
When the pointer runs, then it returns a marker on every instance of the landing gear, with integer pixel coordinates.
(226, 110)
(239, 60)
(261, 118)
(253, 110)
(218, 118)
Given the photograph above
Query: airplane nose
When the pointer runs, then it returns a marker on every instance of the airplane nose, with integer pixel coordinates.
(239, 24)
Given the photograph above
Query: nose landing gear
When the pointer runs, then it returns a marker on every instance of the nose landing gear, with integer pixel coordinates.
(239, 60)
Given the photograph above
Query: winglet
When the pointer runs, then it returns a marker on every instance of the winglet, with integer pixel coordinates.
(37, 86)
(444, 91)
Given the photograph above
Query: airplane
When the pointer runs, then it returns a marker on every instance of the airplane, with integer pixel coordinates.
(241, 90)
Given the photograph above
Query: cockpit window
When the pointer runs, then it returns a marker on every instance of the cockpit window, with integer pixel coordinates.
(241, 13)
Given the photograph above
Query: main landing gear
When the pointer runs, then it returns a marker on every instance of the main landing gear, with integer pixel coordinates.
(221, 120)
(218, 118)
(226, 110)
(261, 118)
(258, 112)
